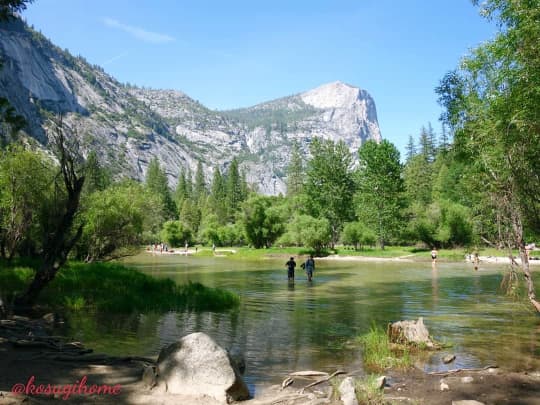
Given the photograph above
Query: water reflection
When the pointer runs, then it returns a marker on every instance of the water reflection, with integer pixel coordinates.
(282, 327)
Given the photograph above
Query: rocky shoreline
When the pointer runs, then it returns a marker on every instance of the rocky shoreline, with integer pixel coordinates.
(32, 357)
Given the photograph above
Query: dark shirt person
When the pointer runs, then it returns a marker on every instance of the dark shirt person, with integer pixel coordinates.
(291, 264)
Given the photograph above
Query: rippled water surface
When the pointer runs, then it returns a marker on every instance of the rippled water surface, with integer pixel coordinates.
(282, 327)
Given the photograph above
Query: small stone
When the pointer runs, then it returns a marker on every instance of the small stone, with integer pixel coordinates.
(467, 380)
(444, 386)
(380, 382)
(467, 402)
(449, 358)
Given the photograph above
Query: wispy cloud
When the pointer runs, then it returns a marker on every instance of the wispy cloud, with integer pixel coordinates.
(114, 58)
(137, 32)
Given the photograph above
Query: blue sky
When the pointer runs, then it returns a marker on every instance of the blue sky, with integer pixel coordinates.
(230, 54)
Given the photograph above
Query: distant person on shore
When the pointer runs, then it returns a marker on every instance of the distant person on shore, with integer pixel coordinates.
(309, 266)
(434, 254)
(291, 264)
(476, 259)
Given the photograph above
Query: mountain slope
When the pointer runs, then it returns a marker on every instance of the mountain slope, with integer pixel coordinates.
(128, 125)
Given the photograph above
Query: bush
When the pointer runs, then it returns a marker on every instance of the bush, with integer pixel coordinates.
(175, 233)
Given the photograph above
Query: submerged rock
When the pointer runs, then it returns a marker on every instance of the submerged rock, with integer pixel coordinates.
(449, 358)
(196, 365)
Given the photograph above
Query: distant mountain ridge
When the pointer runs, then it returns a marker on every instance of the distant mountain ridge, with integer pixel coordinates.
(129, 125)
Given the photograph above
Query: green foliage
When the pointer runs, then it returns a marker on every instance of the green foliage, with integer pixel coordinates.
(304, 230)
(379, 200)
(10, 122)
(176, 233)
(264, 220)
(157, 183)
(116, 288)
(491, 105)
(26, 192)
(190, 214)
(418, 179)
(295, 172)
(199, 191)
(442, 224)
(9, 7)
(115, 218)
(330, 184)
(377, 352)
(276, 115)
(217, 201)
(97, 178)
(356, 233)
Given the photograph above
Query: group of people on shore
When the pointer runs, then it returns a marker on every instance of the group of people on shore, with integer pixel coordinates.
(308, 266)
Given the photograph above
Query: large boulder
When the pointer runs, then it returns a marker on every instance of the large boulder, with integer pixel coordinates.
(196, 365)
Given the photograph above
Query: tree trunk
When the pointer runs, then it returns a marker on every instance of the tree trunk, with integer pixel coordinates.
(517, 230)
(58, 244)
(528, 277)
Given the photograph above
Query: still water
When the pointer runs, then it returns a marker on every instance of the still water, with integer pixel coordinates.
(282, 327)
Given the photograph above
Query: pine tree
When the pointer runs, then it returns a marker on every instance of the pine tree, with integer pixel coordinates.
(217, 200)
(189, 184)
(234, 189)
(444, 142)
(295, 173)
(410, 148)
(199, 192)
(157, 183)
(432, 139)
(180, 193)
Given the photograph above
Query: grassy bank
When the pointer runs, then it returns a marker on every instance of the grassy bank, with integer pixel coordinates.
(408, 252)
(116, 288)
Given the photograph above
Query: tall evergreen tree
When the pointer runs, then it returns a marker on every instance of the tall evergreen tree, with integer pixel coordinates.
(97, 177)
(234, 189)
(156, 182)
(180, 193)
(199, 192)
(217, 200)
(444, 140)
(189, 184)
(410, 148)
(432, 142)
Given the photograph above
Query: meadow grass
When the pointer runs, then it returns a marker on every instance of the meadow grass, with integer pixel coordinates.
(116, 288)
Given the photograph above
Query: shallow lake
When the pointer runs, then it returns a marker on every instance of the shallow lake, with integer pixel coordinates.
(282, 327)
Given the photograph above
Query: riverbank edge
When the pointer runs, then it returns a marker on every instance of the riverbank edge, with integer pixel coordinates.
(27, 365)
(263, 255)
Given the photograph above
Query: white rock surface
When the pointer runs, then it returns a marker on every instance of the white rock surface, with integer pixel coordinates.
(197, 365)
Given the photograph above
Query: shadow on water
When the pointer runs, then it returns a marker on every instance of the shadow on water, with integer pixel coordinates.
(282, 326)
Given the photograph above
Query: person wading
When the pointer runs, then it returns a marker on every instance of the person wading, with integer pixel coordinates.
(309, 266)
(291, 264)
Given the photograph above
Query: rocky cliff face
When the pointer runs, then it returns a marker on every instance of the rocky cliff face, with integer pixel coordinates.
(127, 125)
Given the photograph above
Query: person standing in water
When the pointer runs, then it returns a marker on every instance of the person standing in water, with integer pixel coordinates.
(291, 264)
(309, 265)
(434, 256)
